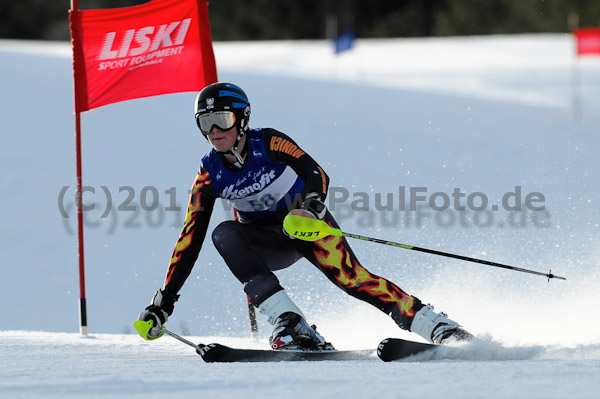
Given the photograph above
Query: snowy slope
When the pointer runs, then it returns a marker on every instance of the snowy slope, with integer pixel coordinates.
(479, 114)
(63, 365)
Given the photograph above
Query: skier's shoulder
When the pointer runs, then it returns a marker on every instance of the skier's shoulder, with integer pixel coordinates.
(275, 140)
(265, 133)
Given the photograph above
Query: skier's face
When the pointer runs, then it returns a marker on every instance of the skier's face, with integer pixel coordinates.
(222, 140)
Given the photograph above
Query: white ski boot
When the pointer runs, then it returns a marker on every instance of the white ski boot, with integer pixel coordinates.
(437, 328)
(291, 331)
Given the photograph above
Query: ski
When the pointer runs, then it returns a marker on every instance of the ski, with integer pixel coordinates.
(395, 349)
(217, 353)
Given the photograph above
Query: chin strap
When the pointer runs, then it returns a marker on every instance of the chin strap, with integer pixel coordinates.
(240, 160)
(233, 151)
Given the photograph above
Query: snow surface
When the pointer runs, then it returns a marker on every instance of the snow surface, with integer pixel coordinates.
(483, 114)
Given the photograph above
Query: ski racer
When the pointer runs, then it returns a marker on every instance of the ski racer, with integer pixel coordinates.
(268, 176)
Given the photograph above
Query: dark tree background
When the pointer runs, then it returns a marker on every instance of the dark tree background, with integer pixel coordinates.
(318, 19)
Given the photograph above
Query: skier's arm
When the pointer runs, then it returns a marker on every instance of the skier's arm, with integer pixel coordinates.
(282, 148)
(187, 248)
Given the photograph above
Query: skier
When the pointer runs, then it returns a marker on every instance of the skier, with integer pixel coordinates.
(268, 176)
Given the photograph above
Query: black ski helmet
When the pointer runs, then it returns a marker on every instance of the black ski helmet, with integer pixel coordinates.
(224, 97)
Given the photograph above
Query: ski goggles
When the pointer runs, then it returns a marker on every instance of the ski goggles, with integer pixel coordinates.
(224, 120)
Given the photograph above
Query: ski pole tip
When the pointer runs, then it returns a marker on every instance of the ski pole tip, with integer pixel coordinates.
(550, 275)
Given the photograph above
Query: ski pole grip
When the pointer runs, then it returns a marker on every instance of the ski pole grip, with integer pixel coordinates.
(143, 328)
(308, 229)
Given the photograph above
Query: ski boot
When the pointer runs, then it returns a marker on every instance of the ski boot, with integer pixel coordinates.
(292, 332)
(437, 328)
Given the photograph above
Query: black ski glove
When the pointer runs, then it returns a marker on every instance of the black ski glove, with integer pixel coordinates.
(313, 205)
(160, 309)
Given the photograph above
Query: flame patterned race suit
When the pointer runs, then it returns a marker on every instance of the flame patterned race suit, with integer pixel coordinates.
(275, 178)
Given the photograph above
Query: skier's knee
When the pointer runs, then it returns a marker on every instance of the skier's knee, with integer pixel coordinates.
(224, 234)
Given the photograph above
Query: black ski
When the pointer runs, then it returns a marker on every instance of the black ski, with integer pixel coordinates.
(396, 349)
(217, 353)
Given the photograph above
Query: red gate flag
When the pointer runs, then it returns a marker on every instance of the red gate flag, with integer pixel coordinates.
(588, 40)
(160, 47)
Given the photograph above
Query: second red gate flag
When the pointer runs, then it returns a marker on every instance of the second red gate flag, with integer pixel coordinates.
(160, 47)
(587, 40)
